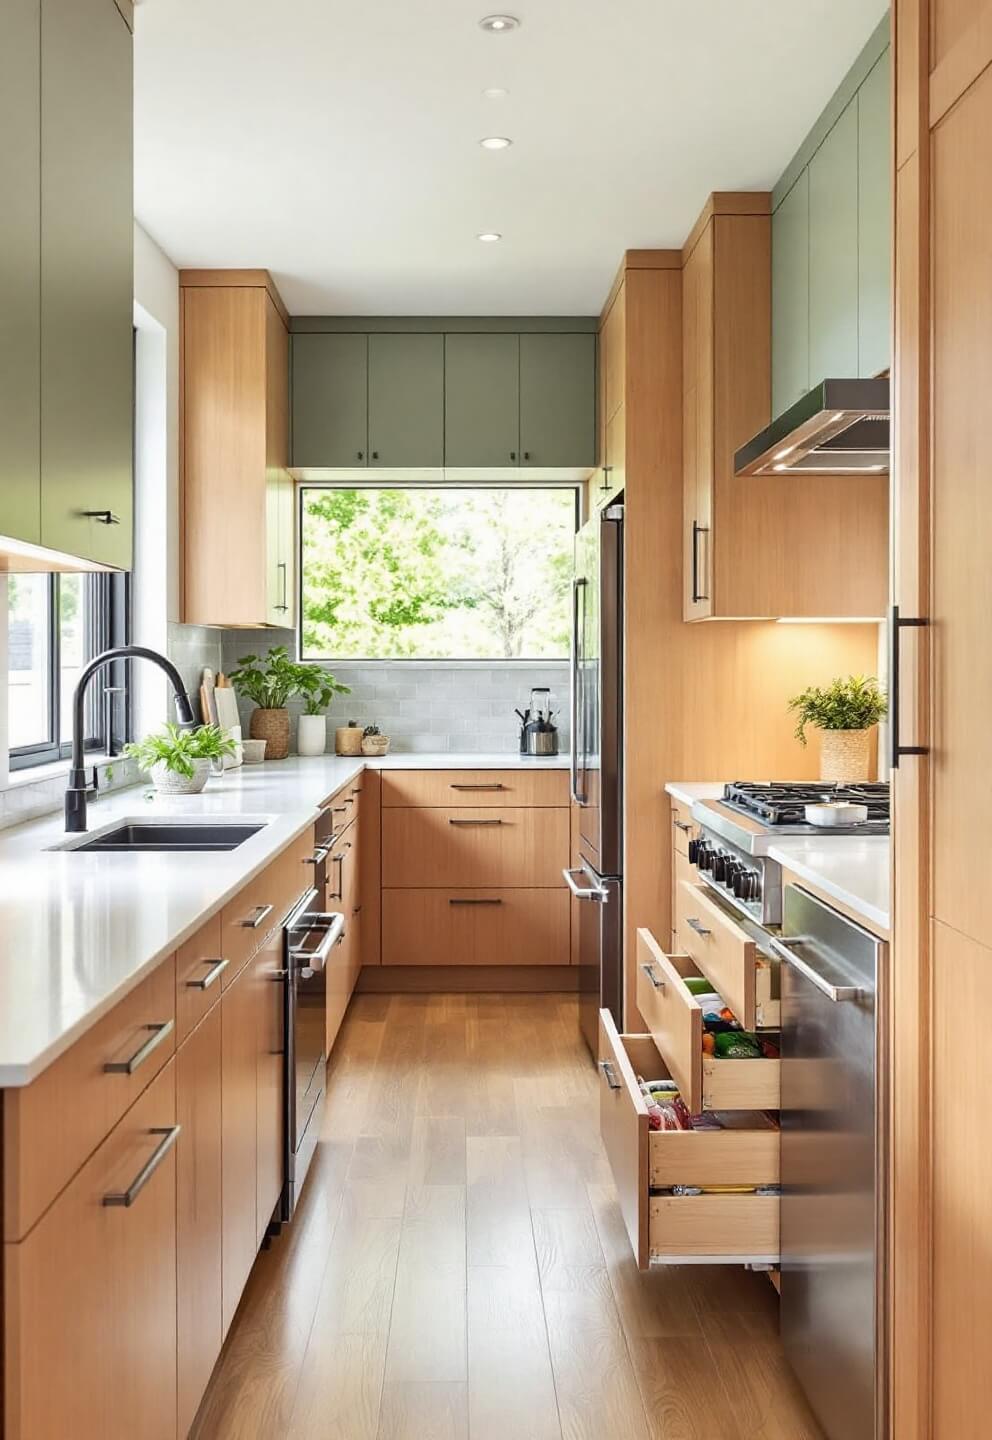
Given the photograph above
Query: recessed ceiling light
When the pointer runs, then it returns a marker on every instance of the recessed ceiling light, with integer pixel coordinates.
(496, 93)
(499, 24)
(495, 142)
(489, 237)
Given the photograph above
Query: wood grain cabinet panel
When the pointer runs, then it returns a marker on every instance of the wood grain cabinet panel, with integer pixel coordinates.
(613, 337)
(464, 847)
(475, 927)
(200, 967)
(90, 1294)
(199, 1214)
(239, 1143)
(475, 789)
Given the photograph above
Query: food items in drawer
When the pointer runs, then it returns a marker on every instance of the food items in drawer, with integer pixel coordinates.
(723, 1036)
(720, 1190)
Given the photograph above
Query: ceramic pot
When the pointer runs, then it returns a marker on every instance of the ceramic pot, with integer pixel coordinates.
(273, 727)
(169, 782)
(348, 739)
(375, 744)
(311, 737)
(844, 756)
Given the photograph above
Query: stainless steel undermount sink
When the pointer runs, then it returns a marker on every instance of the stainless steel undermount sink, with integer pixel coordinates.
(142, 836)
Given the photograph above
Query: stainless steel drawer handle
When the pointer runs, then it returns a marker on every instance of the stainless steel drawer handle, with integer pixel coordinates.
(126, 1198)
(219, 966)
(319, 855)
(681, 825)
(783, 949)
(653, 976)
(497, 786)
(475, 902)
(261, 913)
(698, 926)
(610, 1075)
(128, 1067)
(584, 892)
(475, 822)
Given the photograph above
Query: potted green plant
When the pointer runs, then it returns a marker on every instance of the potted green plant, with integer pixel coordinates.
(178, 761)
(844, 712)
(373, 741)
(318, 688)
(270, 681)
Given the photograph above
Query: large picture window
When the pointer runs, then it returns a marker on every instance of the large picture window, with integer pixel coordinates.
(55, 624)
(436, 573)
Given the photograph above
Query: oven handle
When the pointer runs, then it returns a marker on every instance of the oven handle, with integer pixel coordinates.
(783, 949)
(317, 959)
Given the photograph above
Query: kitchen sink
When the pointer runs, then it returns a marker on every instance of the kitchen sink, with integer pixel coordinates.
(137, 836)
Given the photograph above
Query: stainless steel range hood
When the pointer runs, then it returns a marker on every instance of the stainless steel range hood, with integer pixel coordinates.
(840, 428)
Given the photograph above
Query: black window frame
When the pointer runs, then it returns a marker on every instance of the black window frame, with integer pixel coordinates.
(108, 625)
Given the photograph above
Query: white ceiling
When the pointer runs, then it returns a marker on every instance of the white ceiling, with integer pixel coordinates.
(337, 143)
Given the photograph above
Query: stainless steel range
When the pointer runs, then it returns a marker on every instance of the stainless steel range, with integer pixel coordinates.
(736, 832)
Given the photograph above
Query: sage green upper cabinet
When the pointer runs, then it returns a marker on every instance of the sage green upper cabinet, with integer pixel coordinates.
(406, 400)
(874, 220)
(330, 400)
(20, 274)
(482, 400)
(557, 400)
(833, 252)
(87, 289)
(790, 297)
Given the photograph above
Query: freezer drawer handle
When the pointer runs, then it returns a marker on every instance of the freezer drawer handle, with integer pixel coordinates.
(584, 892)
(697, 926)
(783, 949)
(610, 1075)
(653, 976)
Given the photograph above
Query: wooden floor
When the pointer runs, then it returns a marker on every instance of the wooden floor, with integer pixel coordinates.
(458, 1266)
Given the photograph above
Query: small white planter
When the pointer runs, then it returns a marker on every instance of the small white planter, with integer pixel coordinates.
(167, 782)
(311, 738)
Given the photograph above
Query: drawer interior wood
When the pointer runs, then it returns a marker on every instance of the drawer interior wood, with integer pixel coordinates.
(720, 947)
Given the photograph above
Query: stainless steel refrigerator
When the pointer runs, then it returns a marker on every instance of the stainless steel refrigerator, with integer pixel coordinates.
(597, 764)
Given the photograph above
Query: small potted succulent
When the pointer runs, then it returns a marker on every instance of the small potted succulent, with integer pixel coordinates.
(373, 741)
(844, 712)
(318, 688)
(271, 682)
(179, 761)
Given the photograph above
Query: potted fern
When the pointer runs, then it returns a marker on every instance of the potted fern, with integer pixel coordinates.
(844, 712)
(178, 761)
(317, 688)
(270, 681)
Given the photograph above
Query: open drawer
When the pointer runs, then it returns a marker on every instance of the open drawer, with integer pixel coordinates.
(675, 1020)
(683, 1229)
(727, 956)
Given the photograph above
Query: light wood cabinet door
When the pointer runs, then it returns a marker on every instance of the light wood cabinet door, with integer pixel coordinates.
(833, 252)
(330, 400)
(558, 400)
(476, 927)
(90, 1294)
(239, 1150)
(614, 353)
(481, 400)
(199, 1214)
(270, 1015)
(697, 426)
(20, 273)
(466, 848)
(278, 482)
(406, 400)
(200, 967)
(87, 292)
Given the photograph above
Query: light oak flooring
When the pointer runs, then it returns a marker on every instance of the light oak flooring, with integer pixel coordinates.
(458, 1268)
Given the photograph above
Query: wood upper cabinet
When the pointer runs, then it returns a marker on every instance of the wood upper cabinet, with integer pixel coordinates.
(610, 409)
(84, 343)
(558, 400)
(330, 400)
(767, 546)
(406, 401)
(481, 400)
(235, 451)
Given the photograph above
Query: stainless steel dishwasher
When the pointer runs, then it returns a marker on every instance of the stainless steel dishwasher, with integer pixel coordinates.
(831, 1165)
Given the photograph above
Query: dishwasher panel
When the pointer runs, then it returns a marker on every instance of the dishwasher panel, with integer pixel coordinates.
(831, 1190)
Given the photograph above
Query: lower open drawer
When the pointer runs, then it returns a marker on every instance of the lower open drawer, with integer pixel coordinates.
(683, 1229)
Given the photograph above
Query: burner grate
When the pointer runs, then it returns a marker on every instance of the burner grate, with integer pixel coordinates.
(783, 803)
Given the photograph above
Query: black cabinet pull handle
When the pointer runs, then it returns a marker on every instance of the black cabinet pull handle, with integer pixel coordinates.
(896, 626)
(605, 482)
(375, 454)
(513, 455)
(697, 530)
(361, 455)
(475, 822)
(526, 454)
(105, 517)
(475, 902)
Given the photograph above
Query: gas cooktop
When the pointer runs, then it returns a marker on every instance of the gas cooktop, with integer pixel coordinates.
(778, 804)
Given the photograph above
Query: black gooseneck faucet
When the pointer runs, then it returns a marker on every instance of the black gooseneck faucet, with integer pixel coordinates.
(75, 795)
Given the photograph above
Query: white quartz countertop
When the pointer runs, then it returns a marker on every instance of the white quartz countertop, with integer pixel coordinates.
(854, 869)
(78, 931)
(689, 791)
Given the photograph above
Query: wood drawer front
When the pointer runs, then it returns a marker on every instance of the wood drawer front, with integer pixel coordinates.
(90, 1295)
(263, 903)
(446, 789)
(465, 848)
(200, 967)
(294, 872)
(719, 947)
(681, 826)
(52, 1125)
(675, 1020)
(741, 1226)
(475, 927)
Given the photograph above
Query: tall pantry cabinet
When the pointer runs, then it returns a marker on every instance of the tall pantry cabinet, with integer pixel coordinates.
(941, 1167)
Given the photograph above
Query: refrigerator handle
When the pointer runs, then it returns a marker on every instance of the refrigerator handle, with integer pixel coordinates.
(577, 585)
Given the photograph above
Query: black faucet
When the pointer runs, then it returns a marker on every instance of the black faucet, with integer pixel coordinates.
(75, 795)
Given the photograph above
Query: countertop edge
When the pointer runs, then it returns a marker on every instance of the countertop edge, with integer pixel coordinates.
(881, 920)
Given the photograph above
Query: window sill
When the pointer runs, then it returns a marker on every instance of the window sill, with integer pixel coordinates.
(37, 774)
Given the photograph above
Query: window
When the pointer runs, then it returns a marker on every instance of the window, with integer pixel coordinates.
(436, 573)
(55, 624)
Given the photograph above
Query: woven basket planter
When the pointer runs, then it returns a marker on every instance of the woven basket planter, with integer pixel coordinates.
(273, 727)
(375, 745)
(844, 756)
(348, 740)
(170, 782)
